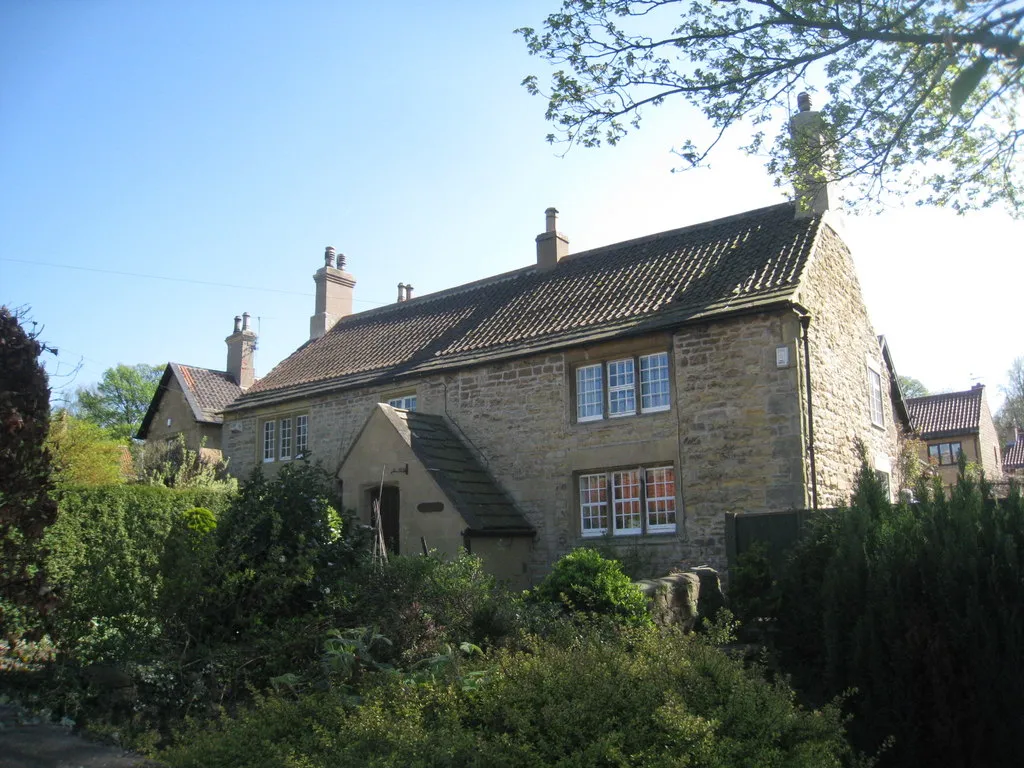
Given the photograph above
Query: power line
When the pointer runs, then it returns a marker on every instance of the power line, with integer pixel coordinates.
(174, 279)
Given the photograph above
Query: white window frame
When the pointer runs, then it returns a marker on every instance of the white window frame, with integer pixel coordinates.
(284, 439)
(614, 388)
(623, 500)
(655, 363)
(301, 435)
(404, 402)
(269, 443)
(876, 397)
(589, 392)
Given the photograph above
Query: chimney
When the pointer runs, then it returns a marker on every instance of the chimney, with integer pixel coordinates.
(241, 348)
(811, 161)
(552, 245)
(333, 294)
(401, 292)
(408, 291)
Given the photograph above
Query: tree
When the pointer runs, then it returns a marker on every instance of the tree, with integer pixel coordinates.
(912, 387)
(26, 509)
(83, 453)
(1012, 410)
(923, 94)
(120, 400)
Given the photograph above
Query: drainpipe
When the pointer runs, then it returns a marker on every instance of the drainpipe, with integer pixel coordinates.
(805, 324)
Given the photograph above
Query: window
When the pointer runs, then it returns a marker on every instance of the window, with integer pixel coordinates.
(406, 402)
(624, 387)
(285, 448)
(642, 500)
(268, 440)
(944, 454)
(285, 438)
(875, 395)
(301, 435)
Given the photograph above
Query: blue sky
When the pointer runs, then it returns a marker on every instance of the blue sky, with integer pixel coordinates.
(219, 147)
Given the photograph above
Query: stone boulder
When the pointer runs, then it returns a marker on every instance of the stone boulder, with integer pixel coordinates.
(673, 600)
(711, 597)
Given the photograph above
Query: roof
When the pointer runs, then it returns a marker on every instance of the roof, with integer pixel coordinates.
(740, 263)
(947, 415)
(206, 391)
(484, 506)
(1013, 456)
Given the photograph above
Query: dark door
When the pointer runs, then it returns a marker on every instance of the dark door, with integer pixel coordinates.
(388, 514)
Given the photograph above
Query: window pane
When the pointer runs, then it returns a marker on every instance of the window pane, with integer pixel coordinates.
(954, 451)
(621, 388)
(286, 440)
(944, 454)
(301, 435)
(268, 441)
(407, 402)
(933, 454)
(588, 393)
(877, 413)
(626, 501)
(593, 504)
(654, 389)
(661, 499)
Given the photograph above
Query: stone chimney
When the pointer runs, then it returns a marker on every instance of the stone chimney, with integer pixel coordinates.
(552, 245)
(333, 294)
(811, 158)
(241, 348)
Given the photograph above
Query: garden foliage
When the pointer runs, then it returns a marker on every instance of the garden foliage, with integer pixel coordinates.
(585, 581)
(919, 609)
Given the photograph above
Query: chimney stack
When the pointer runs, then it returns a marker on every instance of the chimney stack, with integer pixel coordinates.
(812, 160)
(241, 348)
(333, 294)
(552, 245)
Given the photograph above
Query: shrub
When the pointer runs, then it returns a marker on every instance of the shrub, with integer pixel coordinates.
(919, 609)
(642, 699)
(584, 581)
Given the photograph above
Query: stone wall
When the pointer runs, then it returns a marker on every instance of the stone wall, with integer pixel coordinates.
(173, 406)
(988, 444)
(842, 345)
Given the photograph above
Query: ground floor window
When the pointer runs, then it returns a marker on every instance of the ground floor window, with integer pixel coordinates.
(285, 438)
(628, 502)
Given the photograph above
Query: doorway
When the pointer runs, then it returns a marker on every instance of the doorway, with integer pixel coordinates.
(389, 504)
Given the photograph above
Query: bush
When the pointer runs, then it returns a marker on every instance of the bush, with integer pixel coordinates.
(584, 581)
(108, 562)
(642, 699)
(919, 609)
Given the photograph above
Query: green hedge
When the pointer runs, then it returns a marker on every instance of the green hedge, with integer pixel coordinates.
(107, 560)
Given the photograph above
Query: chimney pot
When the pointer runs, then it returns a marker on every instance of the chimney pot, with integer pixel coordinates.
(329, 256)
(551, 220)
(238, 323)
(245, 321)
(408, 291)
(401, 291)
(803, 101)
(341, 261)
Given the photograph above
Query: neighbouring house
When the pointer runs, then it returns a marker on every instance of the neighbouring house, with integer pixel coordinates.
(1013, 455)
(189, 400)
(956, 423)
(629, 396)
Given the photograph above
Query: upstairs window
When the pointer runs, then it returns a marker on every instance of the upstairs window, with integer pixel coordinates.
(875, 400)
(612, 389)
(631, 501)
(944, 454)
(405, 402)
(284, 438)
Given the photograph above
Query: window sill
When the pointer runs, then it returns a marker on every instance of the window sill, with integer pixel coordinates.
(622, 417)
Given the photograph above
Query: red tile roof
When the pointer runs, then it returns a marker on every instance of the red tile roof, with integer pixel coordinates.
(737, 263)
(947, 415)
(206, 391)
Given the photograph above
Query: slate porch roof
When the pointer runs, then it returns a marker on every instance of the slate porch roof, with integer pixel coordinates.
(483, 504)
(207, 392)
(948, 415)
(739, 263)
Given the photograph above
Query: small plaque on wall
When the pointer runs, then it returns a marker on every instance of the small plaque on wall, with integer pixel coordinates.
(430, 506)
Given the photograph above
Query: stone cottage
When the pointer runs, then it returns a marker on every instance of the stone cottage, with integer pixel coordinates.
(189, 400)
(630, 395)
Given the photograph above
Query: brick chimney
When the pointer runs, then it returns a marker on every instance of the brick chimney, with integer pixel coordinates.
(811, 159)
(552, 245)
(241, 348)
(333, 294)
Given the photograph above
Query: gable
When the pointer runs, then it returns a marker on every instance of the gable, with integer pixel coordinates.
(207, 392)
(714, 269)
